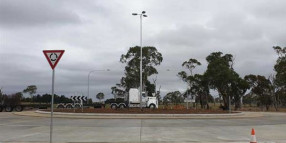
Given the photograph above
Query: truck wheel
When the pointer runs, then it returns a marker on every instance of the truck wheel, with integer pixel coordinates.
(113, 106)
(121, 106)
(18, 108)
(1, 108)
(8, 109)
(152, 106)
(77, 105)
(69, 106)
(60, 106)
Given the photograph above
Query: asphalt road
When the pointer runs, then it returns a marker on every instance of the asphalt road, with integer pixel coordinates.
(270, 128)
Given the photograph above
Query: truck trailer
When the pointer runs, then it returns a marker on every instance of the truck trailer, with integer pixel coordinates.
(10, 103)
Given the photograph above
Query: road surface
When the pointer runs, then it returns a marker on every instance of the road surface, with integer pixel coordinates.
(270, 128)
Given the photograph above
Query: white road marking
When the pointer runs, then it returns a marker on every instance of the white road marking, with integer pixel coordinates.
(23, 136)
(19, 125)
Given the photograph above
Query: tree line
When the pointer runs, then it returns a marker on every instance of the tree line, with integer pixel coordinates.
(31, 90)
(219, 76)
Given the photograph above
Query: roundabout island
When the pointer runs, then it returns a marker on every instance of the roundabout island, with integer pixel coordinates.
(138, 114)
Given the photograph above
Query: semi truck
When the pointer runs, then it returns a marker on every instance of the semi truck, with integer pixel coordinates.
(134, 101)
(9, 103)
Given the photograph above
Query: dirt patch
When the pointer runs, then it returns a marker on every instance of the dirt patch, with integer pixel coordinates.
(144, 111)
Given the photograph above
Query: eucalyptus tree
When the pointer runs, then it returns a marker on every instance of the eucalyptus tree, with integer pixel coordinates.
(191, 64)
(237, 88)
(174, 97)
(150, 58)
(100, 96)
(31, 90)
(222, 78)
(197, 84)
(262, 87)
(279, 79)
(280, 66)
(1, 95)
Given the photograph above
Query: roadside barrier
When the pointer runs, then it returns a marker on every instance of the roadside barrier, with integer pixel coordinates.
(253, 138)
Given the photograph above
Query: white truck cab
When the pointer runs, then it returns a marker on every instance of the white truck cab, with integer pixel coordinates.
(152, 102)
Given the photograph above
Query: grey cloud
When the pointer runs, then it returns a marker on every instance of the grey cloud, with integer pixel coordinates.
(95, 34)
(18, 13)
(192, 35)
(235, 27)
(269, 10)
(231, 33)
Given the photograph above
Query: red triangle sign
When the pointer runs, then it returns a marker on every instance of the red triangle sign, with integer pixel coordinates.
(53, 56)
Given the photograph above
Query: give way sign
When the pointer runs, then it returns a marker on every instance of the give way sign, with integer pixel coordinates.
(53, 56)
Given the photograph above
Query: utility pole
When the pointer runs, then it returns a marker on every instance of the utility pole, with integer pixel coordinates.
(141, 15)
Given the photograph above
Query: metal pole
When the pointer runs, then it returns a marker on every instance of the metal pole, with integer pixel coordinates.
(187, 101)
(241, 102)
(52, 107)
(88, 86)
(88, 77)
(229, 104)
(81, 105)
(73, 106)
(141, 61)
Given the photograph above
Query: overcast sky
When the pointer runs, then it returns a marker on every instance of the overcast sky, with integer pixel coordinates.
(94, 34)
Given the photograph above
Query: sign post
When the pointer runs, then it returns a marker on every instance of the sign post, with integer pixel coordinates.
(81, 105)
(53, 57)
(190, 99)
(52, 106)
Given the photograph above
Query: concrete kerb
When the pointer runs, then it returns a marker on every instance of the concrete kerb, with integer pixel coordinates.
(140, 115)
(141, 142)
(39, 113)
(130, 142)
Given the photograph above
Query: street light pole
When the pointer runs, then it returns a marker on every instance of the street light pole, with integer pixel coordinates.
(144, 15)
(88, 82)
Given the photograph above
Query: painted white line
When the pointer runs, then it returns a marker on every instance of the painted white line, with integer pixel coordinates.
(23, 136)
(19, 125)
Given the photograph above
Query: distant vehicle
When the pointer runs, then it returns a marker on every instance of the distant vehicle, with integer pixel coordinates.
(10, 103)
(134, 101)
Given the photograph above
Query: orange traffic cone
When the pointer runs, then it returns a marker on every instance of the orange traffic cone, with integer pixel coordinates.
(253, 138)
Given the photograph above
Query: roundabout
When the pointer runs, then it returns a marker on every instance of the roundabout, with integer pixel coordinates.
(120, 115)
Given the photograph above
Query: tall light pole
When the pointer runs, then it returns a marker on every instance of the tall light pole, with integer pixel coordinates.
(88, 82)
(141, 16)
